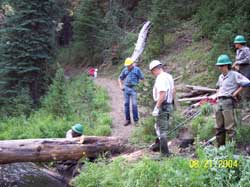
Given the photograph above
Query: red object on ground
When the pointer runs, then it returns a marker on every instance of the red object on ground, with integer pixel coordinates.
(91, 72)
(208, 100)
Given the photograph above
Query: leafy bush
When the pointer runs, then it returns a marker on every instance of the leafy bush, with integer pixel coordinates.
(203, 127)
(220, 24)
(206, 109)
(56, 101)
(145, 132)
(242, 135)
(17, 106)
(82, 96)
(169, 172)
(174, 171)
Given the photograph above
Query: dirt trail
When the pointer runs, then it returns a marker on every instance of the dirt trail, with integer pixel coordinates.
(117, 114)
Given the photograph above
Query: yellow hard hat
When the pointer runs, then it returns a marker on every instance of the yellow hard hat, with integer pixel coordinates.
(128, 62)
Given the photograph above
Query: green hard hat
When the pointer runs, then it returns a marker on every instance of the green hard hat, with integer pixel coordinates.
(239, 39)
(78, 128)
(223, 60)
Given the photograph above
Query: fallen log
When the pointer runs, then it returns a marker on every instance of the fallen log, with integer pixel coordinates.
(40, 150)
(193, 93)
(198, 98)
(201, 88)
(193, 98)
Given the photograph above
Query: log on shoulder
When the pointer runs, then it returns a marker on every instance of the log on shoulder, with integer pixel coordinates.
(39, 150)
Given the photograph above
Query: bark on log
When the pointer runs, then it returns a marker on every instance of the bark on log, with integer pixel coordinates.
(39, 150)
(193, 93)
(193, 98)
(198, 98)
(201, 88)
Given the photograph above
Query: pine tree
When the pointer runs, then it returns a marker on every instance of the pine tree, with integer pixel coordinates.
(88, 28)
(162, 19)
(27, 48)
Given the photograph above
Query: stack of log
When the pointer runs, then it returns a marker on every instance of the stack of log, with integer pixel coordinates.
(195, 94)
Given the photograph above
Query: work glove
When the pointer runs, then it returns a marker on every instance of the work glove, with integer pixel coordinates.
(155, 112)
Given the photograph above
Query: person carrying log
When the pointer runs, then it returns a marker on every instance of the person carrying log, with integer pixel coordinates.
(130, 75)
(163, 96)
(242, 64)
(229, 85)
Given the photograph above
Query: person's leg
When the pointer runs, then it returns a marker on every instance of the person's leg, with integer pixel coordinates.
(220, 131)
(134, 106)
(229, 124)
(162, 121)
(126, 106)
(156, 146)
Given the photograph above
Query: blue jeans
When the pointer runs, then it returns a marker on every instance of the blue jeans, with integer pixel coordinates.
(130, 93)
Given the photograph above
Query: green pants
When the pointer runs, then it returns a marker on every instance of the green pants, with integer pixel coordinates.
(162, 126)
(225, 121)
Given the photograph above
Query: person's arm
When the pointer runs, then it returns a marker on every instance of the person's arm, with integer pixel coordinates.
(242, 81)
(243, 57)
(140, 75)
(236, 93)
(162, 96)
(120, 84)
(122, 76)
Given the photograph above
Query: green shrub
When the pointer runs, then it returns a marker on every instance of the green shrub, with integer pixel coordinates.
(88, 105)
(206, 109)
(242, 135)
(202, 127)
(145, 132)
(169, 172)
(20, 105)
(56, 101)
(174, 171)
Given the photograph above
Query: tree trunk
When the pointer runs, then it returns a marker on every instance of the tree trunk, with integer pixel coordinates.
(39, 150)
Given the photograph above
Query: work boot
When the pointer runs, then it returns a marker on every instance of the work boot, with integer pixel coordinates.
(221, 138)
(136, 123)
(155, 146)
(164, 147)
(127, 123)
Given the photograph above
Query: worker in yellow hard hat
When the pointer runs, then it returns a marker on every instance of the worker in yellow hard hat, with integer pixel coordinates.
(128, 79)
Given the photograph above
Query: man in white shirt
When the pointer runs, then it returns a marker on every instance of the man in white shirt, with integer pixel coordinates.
(163, 95)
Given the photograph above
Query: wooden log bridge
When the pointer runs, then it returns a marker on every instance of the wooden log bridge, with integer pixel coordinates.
(40, 150)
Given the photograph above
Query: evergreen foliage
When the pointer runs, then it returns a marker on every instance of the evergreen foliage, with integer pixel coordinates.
(27, 49)
(166, 16)
(88, 28)
(221, 21)
(56, 101)
(97, 30)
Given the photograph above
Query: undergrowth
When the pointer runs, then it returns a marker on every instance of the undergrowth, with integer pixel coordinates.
(213, 167)
(68, 102)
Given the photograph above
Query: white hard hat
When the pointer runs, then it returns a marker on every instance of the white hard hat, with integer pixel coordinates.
(153, 64)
